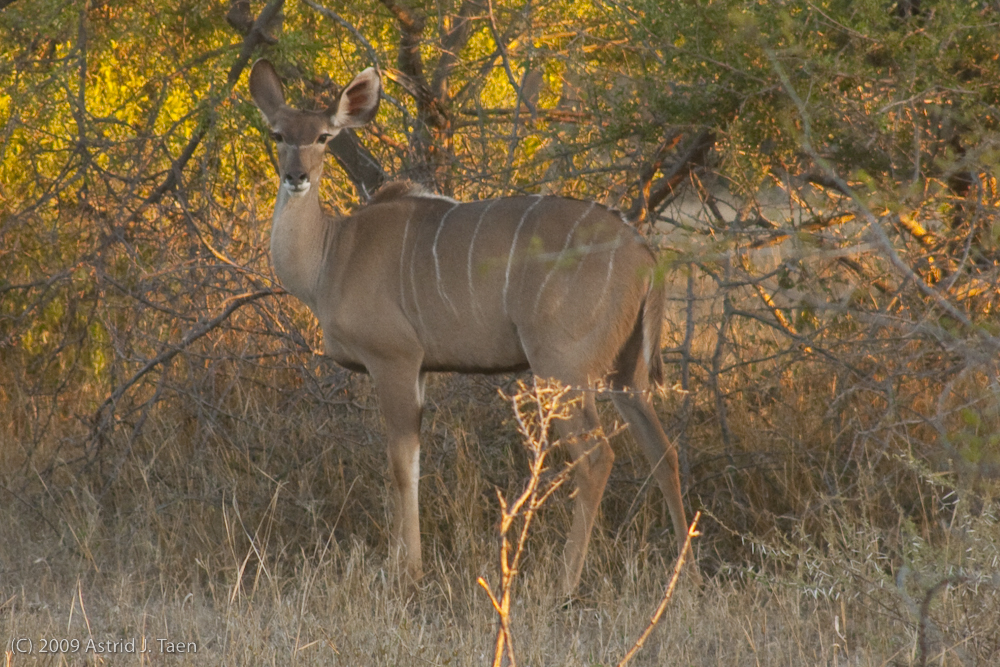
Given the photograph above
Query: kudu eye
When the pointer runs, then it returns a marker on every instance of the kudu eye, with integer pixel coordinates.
(323, 138)
(277, 137)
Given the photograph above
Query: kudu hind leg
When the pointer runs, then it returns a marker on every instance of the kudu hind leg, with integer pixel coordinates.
(593, 457)
(662, 455)
(400, 400)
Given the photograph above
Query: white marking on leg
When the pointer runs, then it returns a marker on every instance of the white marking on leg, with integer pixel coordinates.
(562, 255)
(415, 479)
(421, 387)
(472, 244)
(437, 263)
(513, 247)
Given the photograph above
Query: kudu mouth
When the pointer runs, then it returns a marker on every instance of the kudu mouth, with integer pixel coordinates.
(297, 189)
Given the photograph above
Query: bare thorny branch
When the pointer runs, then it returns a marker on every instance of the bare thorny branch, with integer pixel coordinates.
(104, 413)
(536, 408)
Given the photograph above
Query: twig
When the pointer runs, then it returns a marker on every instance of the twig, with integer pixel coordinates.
(668, 594)
(925, 608)
(683, 445)
(501, 46)
(716, 372)
(534, 426)
(512, 80)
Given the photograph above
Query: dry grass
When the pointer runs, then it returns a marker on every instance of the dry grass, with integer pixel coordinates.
(253, 526)
(337, 606)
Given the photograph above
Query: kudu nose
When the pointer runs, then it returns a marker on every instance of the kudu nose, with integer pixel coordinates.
(296, 180)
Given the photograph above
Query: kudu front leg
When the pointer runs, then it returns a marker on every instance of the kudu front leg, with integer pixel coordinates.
(593, 457)
(401, 401)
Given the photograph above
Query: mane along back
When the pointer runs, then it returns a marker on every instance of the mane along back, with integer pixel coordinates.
(397, 190)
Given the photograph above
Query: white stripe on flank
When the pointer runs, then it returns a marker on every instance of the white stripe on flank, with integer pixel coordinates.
(437, 263)
(413, 285)
(513, 247)
(472, 244)
(402, 254)
(327, 246)
(562, 255)
(607, 276)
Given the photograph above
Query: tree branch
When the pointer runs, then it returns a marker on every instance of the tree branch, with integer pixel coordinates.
(410, 62)
(255, 37)
(364, 170)
(337, 18)
(451, 45)
(432, 128)
(650, 198)
(638, 212)
(103, 414)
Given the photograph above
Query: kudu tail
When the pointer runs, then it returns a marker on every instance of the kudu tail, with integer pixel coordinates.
(652, 329)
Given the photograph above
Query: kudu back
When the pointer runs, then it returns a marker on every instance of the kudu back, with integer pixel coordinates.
(415, 283)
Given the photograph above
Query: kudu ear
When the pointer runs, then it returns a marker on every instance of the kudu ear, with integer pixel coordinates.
(358, 102)
(265, 88)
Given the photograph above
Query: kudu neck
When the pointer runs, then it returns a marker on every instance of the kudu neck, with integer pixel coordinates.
(299, 234)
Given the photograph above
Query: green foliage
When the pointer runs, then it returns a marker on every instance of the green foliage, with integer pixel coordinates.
(879, 88)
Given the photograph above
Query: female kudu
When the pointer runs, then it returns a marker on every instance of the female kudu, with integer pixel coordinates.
(415, 283)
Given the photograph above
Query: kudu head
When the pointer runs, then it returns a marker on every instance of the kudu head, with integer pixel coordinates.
(302, 136)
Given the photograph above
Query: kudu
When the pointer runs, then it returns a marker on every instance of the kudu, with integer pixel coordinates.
(415, 283)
